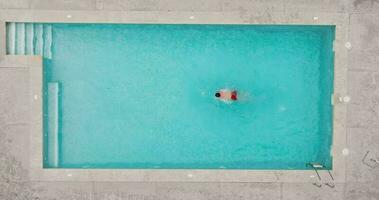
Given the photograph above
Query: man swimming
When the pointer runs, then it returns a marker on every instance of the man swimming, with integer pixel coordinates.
(226, 95)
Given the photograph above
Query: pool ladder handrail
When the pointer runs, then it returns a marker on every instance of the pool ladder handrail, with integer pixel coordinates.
(317, 166)
(371, 162)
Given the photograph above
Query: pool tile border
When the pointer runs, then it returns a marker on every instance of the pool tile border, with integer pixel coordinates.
(34, 63)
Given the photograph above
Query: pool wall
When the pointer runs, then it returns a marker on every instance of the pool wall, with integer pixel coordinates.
(34, 63)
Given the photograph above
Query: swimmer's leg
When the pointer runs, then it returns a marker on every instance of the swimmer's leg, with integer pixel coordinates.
(243, 96)
(225, 101)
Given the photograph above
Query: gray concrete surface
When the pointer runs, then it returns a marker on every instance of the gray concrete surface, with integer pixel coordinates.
(363, 112)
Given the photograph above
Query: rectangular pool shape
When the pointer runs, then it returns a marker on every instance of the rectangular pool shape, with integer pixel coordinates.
(142, 96)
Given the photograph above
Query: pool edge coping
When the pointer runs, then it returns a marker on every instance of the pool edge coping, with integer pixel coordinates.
(34, 63)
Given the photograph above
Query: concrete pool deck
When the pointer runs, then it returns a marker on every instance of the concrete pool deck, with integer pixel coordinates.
(361, 65)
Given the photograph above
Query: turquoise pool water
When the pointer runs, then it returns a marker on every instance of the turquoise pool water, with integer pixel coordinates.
(142, 96)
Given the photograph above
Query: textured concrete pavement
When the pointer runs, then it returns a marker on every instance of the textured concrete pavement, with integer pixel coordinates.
(363, 111)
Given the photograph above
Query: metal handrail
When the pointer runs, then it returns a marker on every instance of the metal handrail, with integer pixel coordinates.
(318, 166)
(375, 161)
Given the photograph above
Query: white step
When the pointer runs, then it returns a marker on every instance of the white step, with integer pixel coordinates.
(20, 38)
(53, 124)
(48, 41)
(38, 39)
(11, 38)
(29, 44)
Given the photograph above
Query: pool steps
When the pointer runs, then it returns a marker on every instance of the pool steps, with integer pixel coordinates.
(53, 124)
(29, 39)
(20, 42)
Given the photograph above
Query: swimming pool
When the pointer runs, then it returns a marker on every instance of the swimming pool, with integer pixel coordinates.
(142, 96)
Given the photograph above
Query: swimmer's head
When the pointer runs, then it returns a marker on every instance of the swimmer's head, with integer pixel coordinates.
(217, 94)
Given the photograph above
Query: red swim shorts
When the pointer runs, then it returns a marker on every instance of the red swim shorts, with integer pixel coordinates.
(234, 95)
